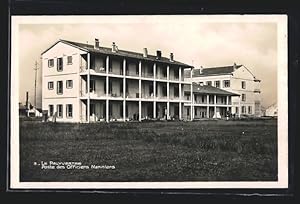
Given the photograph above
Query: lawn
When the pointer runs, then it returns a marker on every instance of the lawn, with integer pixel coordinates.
(151, 151)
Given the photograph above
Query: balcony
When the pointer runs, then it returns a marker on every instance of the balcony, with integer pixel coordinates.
(174, 78)
(132, 95)
(133, 74)
(147, 75)
(116, 72)
(147, 96)
(174, 98)
(162, 77)
(93, 94)
(116, 95)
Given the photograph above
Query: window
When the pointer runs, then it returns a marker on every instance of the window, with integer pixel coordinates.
(202, 99)
(60, 111)
(69, 110)
(249, 109)
(236, 110)
(195, 111)
(226, 83)
(243, 85)
(243, 109)
(217, 84)
(60, 87)
(69, 84)
(59, 64)
(92, 86)
(50, 110)
(208, 83)
(243, 97)
(188, 111)
(69, 59)
(51, 63)
(195, 98)
(50, 85)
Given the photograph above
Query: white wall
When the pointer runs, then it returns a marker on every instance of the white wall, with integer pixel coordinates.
(69, 72)
(241, 74)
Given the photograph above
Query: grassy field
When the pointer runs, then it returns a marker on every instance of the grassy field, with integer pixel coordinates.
(153, 151)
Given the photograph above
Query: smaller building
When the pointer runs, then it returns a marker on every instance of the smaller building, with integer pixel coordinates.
(272, 110)
(208, 102)
(233, 78)
(35, 112)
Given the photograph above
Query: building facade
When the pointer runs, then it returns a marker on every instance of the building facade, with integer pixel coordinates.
(207, 102)
(90, 83)
(236, 79)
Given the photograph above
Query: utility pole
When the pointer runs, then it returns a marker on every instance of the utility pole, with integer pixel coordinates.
(35, 69)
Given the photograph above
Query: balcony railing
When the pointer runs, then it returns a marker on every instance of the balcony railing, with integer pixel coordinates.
(116, 95)
(92, 94)
(174, 78)
(147, 75)
(161, 77)
(117, 72)
(134, 74)
(162, 97)
(200, 102)
(174, 97)
(132, 95)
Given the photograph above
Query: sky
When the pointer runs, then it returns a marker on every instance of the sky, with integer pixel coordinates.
(207, 44)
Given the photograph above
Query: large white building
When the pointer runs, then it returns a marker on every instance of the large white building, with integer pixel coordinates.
(90, 83)
(85, 83)
(236, 79)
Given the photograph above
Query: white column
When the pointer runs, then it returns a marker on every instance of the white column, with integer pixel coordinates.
(154, 90)
(227, 103)
(215, 105)
(180, 103)
(124, 90)
(88, 87)
(168, 92)
(180, 74)
(107, 88)
(140, 91)
(107, 64)
(180, 109)
(207, 103)
(192, 101)
(240, 110)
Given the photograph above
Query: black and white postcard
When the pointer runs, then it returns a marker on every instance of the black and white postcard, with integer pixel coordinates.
(149, 102)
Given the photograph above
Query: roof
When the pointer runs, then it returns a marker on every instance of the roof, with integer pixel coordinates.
(211, 71)
(207, 89)
(123, 53)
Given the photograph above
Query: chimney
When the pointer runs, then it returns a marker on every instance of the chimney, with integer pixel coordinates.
(234, 66)
(145, 52)
(96, 46)
(27, 104)
(158, 54)
(114, 47)
(200, 70)
(171, 57)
